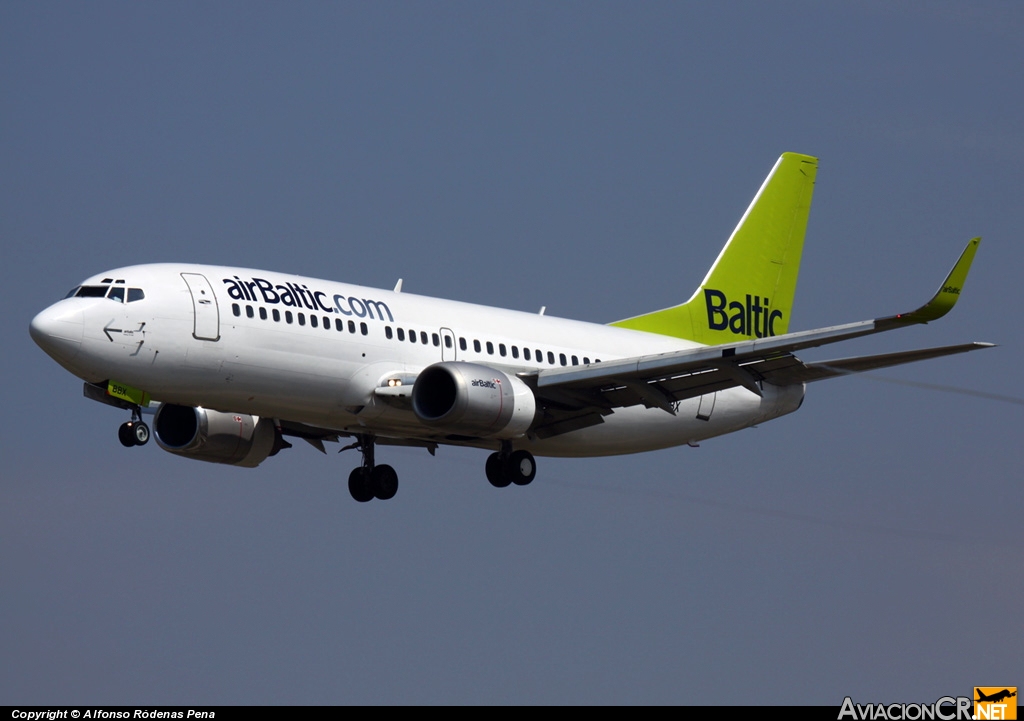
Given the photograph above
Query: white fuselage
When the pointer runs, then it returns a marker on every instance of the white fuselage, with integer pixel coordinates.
(223, 340)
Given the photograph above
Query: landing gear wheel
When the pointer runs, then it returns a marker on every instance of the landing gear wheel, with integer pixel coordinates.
(520, 468)
(140, 432)
(126, 435)
(495, 470)
(369, 480)
(384, 481)
(359, 484)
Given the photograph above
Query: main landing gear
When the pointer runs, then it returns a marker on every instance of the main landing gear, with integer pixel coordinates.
(369, 480)
(134, 432)
(506, 467)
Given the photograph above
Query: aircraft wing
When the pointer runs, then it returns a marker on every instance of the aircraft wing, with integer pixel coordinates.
(576, 397)
(806, 372)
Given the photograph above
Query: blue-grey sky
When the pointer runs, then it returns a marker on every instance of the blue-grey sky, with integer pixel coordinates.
(590, 157)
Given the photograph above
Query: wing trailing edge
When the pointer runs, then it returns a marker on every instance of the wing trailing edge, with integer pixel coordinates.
(808, 372)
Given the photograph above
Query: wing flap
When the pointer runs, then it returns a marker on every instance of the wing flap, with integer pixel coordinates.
(567, 424)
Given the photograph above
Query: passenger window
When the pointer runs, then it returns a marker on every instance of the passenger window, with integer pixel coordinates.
(447, 341)
(116, 294)
(363, 329)
(277, 315)
(423, 337)
(339, 325)
(515, 352)
(575, 361)
(287, 316)
(561, 358)
(490, 348)
(248, 311)
(313, 321)
(539, 356)
(327, 323)
(462, 343)
(263, 313)
(135, 294)
(586, 361)
(387, 332)
(437, 340)
(302, 319)
(501, 349)
(551, 358)
(401, 334)
(236, 310)
(412, 336)
(526, 352)
(352, 327)
(476, 346)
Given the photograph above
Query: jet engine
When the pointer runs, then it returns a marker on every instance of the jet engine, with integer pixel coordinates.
(237, 439)
(473, 400)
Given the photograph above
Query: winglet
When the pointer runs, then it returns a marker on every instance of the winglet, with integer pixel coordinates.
(945, 298)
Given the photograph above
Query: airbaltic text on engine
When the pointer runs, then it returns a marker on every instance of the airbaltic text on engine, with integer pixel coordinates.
(300, 296)
(750, 319)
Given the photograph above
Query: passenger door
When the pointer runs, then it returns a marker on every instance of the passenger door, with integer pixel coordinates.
(204, 303)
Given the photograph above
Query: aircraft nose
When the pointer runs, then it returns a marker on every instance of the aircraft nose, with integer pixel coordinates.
(58, 331)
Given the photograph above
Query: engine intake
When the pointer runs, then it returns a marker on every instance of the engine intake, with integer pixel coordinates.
(473, 400)
(237, 439)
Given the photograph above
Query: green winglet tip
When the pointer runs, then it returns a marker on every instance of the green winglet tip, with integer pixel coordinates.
(944, 300)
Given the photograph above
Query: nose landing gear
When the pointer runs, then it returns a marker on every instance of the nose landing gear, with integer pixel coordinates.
(134, 432)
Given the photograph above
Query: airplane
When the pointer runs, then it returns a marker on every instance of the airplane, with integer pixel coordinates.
(996, 697)
(233, 361)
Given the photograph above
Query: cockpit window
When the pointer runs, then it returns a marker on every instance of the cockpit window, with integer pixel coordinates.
(115, 292)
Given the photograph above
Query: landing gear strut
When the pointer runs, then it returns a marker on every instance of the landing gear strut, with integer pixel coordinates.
(507, 466)
(369, 480)
(134, 432)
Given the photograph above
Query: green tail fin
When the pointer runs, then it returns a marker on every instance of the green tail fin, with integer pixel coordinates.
(748, 293)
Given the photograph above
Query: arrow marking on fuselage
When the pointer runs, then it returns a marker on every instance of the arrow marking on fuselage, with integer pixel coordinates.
(107, 330)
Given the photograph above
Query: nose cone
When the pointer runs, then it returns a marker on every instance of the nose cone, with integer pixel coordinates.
(58, 331)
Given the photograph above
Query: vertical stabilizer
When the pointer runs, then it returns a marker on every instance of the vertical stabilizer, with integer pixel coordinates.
(748, 293)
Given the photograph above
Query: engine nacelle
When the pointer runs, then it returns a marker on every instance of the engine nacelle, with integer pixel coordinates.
(237, 439)
(473, 400)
